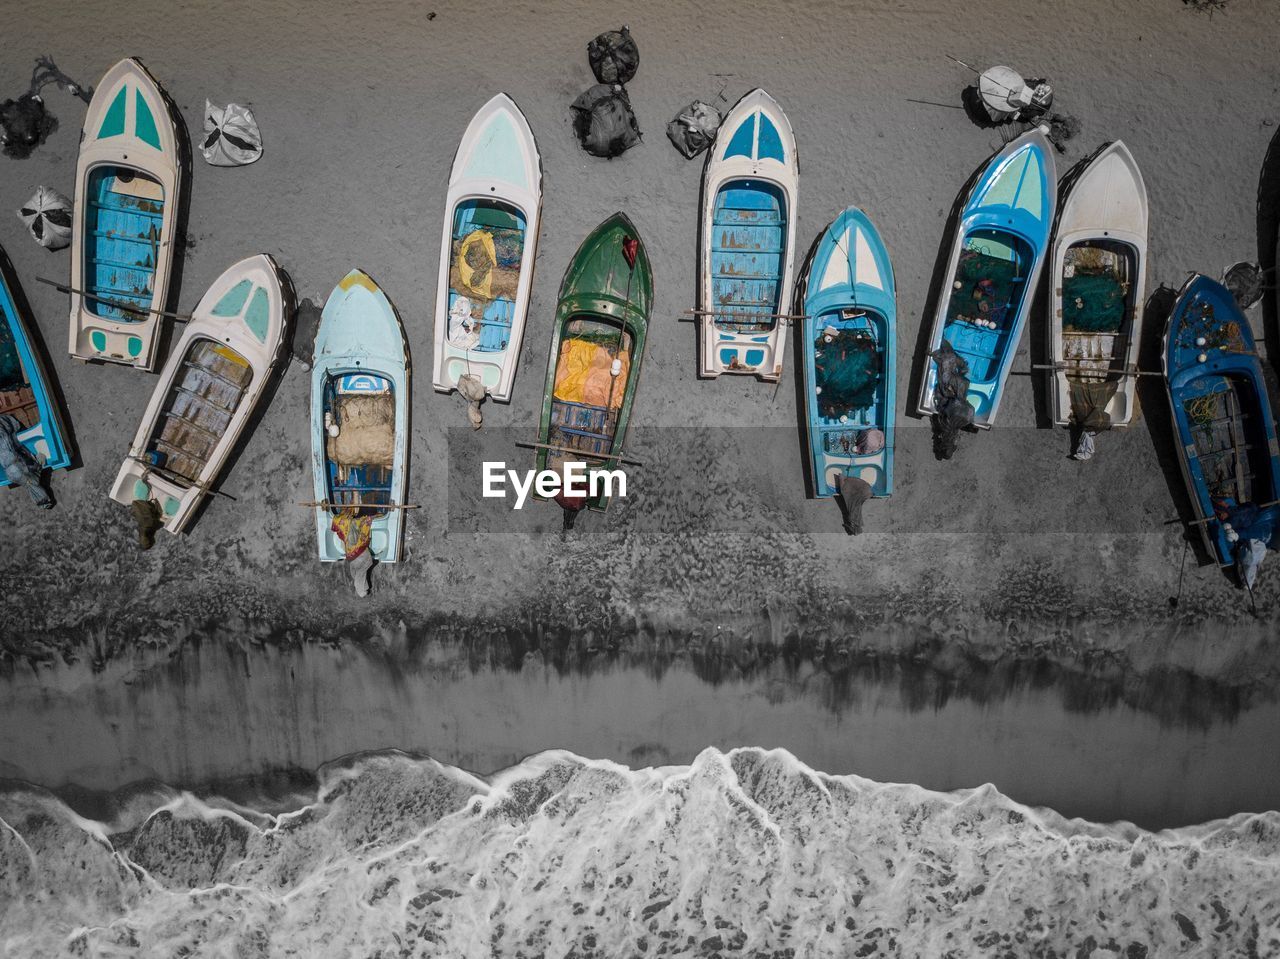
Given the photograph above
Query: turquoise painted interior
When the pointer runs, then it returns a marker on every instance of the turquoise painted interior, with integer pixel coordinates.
(368, 485)
(113, 121)
(144, 124)
(769, 146)
(498, 154)
(258, 316)
(506, 224)
(743, 138)
(232, 301)
(121, 240)
(748, 247)
(985, 349)
(837, 438)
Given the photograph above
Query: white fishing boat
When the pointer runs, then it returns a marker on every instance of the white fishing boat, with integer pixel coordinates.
(490, 240)
(360, 417)
(748, 239)
(130, 181)
(210, 387)
(1099, 290)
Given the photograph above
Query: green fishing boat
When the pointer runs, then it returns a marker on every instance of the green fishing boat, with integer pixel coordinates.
(596, 349)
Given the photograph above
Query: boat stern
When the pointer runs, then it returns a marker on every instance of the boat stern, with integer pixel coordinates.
(177, 503)
(129, 344)
(757, 355)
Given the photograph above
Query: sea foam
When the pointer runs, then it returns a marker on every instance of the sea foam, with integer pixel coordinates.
(746, 853)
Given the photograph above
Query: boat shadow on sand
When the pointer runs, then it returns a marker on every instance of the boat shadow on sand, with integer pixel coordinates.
(920, 357)
(1268, 242)
(1153, 401)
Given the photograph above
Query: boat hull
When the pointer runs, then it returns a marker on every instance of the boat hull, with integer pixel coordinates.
(26, 387)
(747, 241)
(1103, 220)
(849, 297)
(604, 304)
(226, 357)
(131, 181)
(495, 188)
(360, 349)
(1226, 385)
(1002, 235)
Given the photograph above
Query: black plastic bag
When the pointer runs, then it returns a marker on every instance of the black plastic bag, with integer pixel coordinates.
(604, 122)
(614, 56)
(694, 128)
(952, 412)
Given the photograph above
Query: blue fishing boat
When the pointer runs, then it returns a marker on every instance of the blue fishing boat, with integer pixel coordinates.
(360, 417)
(848, 348)
(1226, 429)
(130, 181)
(749, 189)
(25, 384)
(1001, 239)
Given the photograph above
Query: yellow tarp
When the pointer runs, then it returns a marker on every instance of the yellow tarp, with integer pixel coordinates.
(477, 248)
(582, 374)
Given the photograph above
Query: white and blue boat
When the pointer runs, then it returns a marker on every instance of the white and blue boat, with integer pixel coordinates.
(1227, 443)
(487, 253)
(848, 347)
(130, 181)
(748, 239)
(360, 416)
(1001, 240)
(214, 381)
(25, 385)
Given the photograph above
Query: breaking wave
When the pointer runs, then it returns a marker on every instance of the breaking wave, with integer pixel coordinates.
(746, 853)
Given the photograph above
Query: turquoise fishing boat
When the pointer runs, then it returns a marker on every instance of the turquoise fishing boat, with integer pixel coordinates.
(848, 347)
(360, 417)
(25, 385)
(1001, 240)
(1227, 443)
(130, 182)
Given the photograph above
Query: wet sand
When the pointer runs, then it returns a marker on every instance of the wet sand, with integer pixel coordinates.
(1010, 551)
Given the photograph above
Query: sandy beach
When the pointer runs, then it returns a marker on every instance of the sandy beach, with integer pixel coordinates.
(1011, 552)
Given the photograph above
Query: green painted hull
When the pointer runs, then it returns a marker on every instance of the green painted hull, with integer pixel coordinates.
(600, 292)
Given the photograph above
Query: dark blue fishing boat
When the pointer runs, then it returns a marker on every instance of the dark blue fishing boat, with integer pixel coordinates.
(25, 391)
(1226, 429)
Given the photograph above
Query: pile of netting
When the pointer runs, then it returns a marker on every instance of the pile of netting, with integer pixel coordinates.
(983, 287)
(848, 368)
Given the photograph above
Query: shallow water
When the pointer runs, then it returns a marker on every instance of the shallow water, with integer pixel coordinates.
(216, 712)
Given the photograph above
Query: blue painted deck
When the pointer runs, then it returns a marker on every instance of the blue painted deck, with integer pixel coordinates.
(850, 286)
(122, 236)
(748, 247)
(23, 390)
(508, 227)
(1226, 428)
(987, 351)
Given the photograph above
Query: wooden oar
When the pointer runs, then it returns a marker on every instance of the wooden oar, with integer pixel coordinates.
(118, 304)
(318, 504)
(1211, 519)
(179, 478)
(585, 454)
(1060, 366)
(691, 315)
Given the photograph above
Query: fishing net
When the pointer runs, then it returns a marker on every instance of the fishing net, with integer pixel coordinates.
(1089, 404)
(17, 464)
(614, 56)
(848, 370)
(983, 287)
(1246, 282)
(952, 411)
(1093, 302)
(604, 122)
(25, 123)
(852, 492)
(694, 128)
(146, 514)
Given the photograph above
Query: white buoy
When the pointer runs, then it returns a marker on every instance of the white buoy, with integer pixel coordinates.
(1202, 357)
(1201, 341)
(615, 368)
